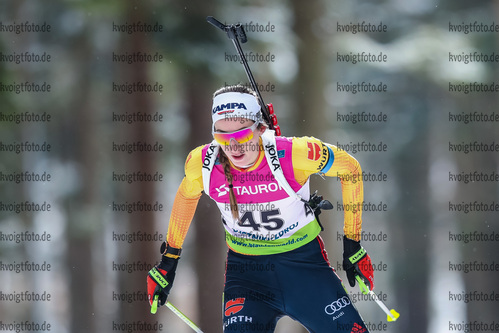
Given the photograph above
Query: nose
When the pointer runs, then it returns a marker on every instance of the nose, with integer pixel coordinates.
(234, 145)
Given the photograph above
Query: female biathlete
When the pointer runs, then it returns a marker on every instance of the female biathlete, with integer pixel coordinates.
(276, 263)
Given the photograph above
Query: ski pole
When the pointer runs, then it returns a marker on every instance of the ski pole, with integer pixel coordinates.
(391, 315)
(179, 314)
(183, 317)
(235, 33)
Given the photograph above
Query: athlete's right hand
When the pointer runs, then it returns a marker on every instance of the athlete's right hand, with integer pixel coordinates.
(160, 278)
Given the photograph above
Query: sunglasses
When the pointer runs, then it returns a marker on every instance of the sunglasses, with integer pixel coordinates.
(241, 136)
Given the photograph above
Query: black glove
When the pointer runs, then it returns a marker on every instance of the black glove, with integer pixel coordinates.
(160, 278)
(356, 262)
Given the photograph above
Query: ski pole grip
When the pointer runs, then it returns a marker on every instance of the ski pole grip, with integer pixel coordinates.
(363, 287)
(155, 300)
(216, 22)
(154, 306)
(241, 34)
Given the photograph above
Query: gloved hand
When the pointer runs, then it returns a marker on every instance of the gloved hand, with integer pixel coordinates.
(160, 278)
(357, 264)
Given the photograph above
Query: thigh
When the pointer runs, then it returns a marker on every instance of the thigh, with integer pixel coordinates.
(247, 310)
(335, 313)
(315, 296)
(324, 306)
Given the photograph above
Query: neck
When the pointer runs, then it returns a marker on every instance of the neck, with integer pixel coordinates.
(246, 166)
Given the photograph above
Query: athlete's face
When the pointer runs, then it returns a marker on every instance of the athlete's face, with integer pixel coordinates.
(240, 154)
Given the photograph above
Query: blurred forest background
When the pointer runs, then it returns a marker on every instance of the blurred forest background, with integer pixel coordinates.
(97, 277)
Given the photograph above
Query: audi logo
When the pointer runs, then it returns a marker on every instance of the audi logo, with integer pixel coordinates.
(337, 305)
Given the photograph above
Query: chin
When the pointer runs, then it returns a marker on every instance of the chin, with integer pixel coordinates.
(241, 163)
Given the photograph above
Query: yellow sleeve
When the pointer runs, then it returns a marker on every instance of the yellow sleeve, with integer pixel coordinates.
(311, 155)
(186, 200)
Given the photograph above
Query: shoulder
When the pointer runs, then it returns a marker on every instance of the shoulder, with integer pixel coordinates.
(311, 154)
(305, 142)
(194, 162)
(310, 147)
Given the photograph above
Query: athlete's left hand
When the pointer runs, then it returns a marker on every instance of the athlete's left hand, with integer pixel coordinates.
(356, 262)
(160, 278)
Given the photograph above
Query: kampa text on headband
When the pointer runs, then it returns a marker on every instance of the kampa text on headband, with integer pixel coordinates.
(233, 105)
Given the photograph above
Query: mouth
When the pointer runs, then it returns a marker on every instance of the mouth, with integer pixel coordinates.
(238, 157)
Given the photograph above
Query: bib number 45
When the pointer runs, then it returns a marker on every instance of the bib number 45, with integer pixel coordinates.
(269, 220)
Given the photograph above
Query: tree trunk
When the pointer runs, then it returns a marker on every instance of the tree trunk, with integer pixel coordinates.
(209, 240)
(79, 235)
(310, 103)
(411, 241)
(146, 162)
